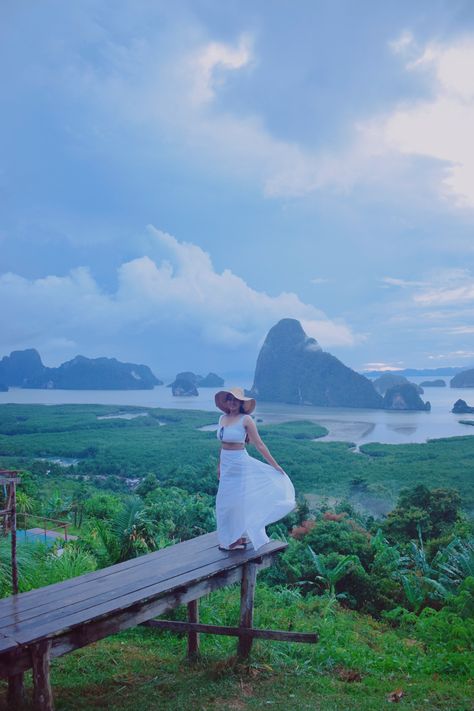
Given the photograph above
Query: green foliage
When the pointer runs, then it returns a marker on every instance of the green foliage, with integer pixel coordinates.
(39, 565)
(433, 512)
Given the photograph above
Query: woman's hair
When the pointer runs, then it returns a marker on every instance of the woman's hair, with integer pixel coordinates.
(242, 408)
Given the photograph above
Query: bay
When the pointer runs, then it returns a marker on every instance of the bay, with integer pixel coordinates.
(344, 424)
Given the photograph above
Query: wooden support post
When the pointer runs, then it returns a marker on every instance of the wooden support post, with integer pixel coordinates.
(247, 592)
(13, 540)
(40, 659)
(193, 636)
(16, 692)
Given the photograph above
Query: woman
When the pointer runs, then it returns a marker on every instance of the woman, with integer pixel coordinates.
(251, 494)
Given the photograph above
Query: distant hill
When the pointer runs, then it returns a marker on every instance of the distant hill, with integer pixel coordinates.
(415, 372)
(25, 369)
(187, 383)
(404, 396)
(211, 381)
(461, 407)
(292, 368)
(388, 380)
(20, 367)
(433, 384)
(465, 379)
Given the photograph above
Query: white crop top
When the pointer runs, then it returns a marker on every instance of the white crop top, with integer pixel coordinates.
(234, 433)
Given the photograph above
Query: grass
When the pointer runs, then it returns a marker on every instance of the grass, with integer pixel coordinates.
(357, 663)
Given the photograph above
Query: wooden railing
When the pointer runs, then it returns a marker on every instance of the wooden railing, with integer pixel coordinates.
(42, 519)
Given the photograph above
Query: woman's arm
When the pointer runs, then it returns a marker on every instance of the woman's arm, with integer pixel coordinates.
(255, 439)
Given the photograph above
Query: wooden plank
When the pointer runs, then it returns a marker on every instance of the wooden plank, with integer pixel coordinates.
(60, 620)
(193, 635)
(58, 591)
(42, 694)
(247, 594)
(55, 598)
(7, 643)
(58, 617)
(116, 621)
(277, 635)
(91, 590)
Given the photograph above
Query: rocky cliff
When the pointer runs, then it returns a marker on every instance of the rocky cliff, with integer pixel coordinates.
(211, 381)
(20, 366)
(388, 380)
(185, 384)
(464, 379)
(404, 397)
(292, 368)
(461, 407)
(25, 369)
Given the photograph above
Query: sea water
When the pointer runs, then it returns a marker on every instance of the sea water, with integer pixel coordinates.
(344, 424)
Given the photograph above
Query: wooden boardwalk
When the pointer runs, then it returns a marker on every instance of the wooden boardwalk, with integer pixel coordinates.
(48, 622)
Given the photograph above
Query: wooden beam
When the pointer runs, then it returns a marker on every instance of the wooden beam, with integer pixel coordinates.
(278, 635)
(16, 692)
(40, 659)
(247, 593)
(13, 540)
(193, 635)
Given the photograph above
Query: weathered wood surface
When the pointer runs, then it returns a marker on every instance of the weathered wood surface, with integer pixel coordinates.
(78, 611)
(193, 635)
(6, 643)
(16, 692)
(186, 627)
(42, 694)
(247, 593)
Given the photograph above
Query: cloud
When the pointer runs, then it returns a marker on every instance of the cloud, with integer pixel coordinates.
(205, 64)
(449, 288)
(440, 127)
(382, 366)
(178, 98)
(182, 292)
(452, 355)
(402, 43)
(402, 283)
(319, 280)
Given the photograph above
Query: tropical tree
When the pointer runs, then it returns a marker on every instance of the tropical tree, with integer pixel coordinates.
(332, 568)
(455, 563)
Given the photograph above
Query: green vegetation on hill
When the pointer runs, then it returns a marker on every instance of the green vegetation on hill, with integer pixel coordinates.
(171, 445)
(392, 597)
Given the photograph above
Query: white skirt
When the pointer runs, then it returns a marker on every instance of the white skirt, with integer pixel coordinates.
(251, 495)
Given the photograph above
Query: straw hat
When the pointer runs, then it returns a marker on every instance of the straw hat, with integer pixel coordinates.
(247, 402)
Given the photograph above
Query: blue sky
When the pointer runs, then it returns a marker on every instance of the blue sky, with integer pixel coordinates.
(177, 177)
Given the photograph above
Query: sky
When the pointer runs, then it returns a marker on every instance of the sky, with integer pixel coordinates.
(177, 177)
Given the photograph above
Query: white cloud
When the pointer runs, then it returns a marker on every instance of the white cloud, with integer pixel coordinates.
(402, 283)
(448, 288)
(452, 355)
(446, 297)
(177, 98)
(204, 66)
(319, 280)
(440, 127)
(402, 43)
(382, 366)
(183, 291)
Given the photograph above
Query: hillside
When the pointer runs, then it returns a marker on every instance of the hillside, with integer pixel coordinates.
(146, 479)
(25, 369)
